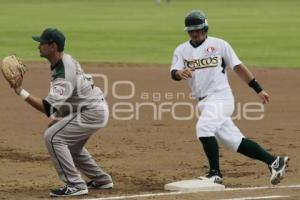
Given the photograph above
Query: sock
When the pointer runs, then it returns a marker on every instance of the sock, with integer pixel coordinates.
(211, 149)
(251, 149)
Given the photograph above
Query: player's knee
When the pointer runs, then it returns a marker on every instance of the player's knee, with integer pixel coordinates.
(231, 143)
(203, 130)
(48, 136)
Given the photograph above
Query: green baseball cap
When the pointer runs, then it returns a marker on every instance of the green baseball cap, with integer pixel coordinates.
(51, 35)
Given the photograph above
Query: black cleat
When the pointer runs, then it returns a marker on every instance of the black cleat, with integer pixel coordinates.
(214, 176)
(67, 191)
(107, 184)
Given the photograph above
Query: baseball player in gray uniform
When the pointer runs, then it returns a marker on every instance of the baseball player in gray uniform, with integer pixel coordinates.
(77, 109)
(203, 61)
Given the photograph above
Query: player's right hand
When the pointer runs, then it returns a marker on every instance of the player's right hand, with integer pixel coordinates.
(184, 74)
(52, 122)
(264, 97)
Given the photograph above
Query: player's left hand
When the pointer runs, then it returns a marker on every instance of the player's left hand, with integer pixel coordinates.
(13, 70)
(264, 97)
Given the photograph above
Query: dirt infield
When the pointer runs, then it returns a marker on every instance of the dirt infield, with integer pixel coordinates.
(149, 148)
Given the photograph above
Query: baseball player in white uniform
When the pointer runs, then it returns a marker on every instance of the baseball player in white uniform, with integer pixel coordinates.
(78, 109)
(203, 61)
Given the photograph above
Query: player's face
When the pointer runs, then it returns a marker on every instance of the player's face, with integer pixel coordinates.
(197, 35)
(46, 49)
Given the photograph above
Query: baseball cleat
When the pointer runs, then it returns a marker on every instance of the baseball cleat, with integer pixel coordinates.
(278, 169)
(68, 190)
(100, 184)
(214, 176)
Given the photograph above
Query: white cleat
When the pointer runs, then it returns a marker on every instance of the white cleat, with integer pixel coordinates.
(278, 169)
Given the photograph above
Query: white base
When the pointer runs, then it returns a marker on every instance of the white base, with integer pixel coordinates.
(195, 185)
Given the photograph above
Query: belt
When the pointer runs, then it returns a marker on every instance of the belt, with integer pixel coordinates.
(201, 98)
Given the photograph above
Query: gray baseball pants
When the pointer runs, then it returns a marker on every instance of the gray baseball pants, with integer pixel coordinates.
(65, 142)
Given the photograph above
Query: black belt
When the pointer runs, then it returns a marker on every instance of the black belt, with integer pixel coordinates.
(201, 98)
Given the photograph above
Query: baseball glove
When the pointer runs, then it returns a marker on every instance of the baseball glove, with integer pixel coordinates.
(13, 70)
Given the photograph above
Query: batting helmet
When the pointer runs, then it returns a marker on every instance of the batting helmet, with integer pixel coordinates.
(196, 20)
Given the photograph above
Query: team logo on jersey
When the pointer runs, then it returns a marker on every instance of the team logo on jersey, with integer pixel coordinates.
(58, 90)
(202, 63)
(210, 49)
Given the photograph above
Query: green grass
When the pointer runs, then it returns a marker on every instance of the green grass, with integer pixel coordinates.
(263, 32)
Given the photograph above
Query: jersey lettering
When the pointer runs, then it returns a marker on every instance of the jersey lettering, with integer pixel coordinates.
(202, 63)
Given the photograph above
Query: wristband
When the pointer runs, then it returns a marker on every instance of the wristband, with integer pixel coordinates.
(174, 76)
(24, 94)
(255, 86)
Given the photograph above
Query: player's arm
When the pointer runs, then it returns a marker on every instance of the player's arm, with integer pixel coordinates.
(35, 102)
(59, 93)
(178, 71)
(245, 74)
(178, 74)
